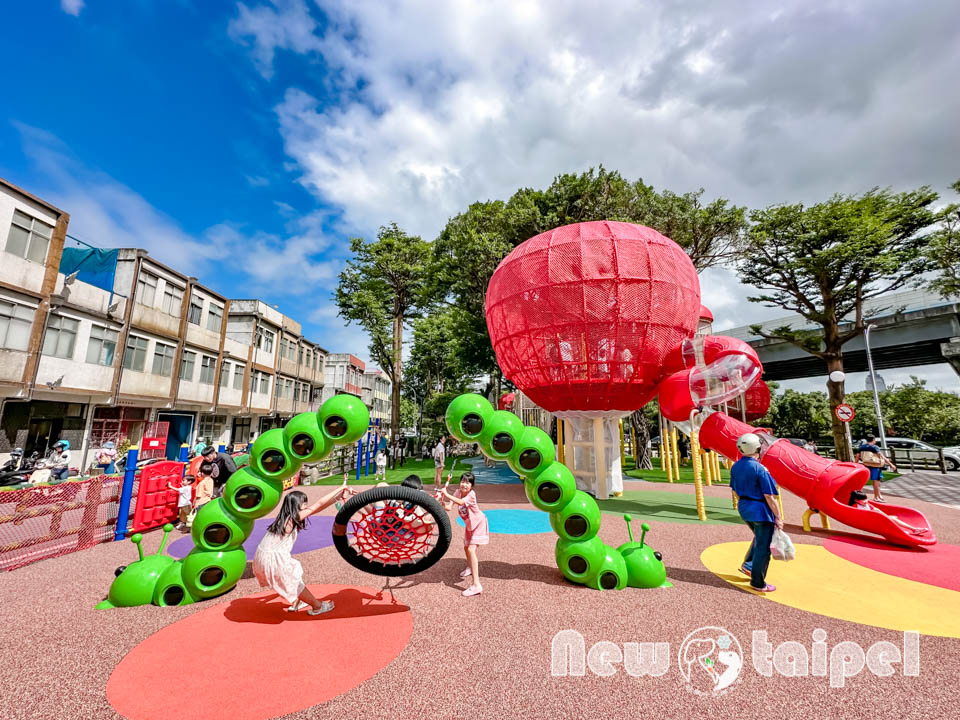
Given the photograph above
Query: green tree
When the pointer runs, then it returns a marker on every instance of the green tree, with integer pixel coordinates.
(945, 250)
(474, 242)
(382, 288)
(824, 261)
(801, 415)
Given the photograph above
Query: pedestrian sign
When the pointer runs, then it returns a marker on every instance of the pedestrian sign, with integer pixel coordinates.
(844, 413)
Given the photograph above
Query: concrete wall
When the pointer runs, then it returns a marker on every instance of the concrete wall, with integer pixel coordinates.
(16, 270)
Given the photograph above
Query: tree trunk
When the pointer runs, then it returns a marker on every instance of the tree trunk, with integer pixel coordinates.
(836, 394)
(641, 455)
(397, 374)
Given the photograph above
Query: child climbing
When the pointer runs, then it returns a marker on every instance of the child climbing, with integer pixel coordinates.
(273, 563)
(477, 530)
(184, 500)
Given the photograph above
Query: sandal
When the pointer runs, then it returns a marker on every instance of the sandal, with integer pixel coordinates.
(745, 571)
(325, 606)
(768, 588)
(295, 607)
(472, 590)
(466, 572)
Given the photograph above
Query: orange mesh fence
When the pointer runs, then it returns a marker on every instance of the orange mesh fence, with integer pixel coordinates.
(46, 521)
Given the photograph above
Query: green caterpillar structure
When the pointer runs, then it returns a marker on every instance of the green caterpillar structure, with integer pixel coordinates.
(550, 486)
(221, 526)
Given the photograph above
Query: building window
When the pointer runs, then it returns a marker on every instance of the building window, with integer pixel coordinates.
(238, 377)
(283, 347)
(187, 362)
(15, 323)
(60, 337)
(306, 355)
(224, 374)
(207, 367)
(163, 360)
(28, 238)
(264, 340)
(264, 384)
(147, 289)
(172, 300)
(195, 312)
(135, 356)
(210, 428)
(215, 318)
(102, 345)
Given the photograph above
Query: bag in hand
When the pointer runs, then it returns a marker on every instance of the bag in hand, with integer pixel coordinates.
(781, 546)
(870, 459)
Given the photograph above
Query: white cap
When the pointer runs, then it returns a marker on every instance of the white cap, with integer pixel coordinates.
(748, 444)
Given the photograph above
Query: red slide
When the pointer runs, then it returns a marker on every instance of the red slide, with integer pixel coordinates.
(824, 483)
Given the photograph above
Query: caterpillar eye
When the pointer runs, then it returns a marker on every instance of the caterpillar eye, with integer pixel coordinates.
(116, 573)
(658, 556)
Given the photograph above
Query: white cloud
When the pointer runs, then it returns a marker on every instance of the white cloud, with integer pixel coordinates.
(72, 7)
(286, 26)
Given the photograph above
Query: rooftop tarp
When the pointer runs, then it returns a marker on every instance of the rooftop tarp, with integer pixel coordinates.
(93, 266)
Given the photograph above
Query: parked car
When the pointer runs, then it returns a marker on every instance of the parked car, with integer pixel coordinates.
(923, 451)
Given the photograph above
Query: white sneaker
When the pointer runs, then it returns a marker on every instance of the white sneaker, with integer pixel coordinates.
(473, 590)
(466, 572)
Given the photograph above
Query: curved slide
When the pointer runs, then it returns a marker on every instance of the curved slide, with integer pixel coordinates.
(825, 484)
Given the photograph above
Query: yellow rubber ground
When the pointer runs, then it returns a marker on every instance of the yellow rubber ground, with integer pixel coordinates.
(819, 582)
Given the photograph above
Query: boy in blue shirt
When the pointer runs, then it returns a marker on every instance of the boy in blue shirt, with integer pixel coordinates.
(757, 492)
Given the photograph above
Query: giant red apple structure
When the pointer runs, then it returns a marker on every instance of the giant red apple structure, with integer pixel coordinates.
(593, 320)
(581, 319)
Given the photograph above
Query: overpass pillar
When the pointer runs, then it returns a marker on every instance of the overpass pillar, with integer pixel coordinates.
(951, 353)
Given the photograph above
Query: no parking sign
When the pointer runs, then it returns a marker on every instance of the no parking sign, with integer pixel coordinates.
(844, 413)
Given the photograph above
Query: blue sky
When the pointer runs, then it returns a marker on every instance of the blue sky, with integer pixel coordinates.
(244, 142)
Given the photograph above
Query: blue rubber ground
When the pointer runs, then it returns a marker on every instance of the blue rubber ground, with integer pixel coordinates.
(499, 474)
(517, 522)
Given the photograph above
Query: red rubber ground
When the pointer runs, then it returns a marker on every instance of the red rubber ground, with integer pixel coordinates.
(935, 565)
(482, 657)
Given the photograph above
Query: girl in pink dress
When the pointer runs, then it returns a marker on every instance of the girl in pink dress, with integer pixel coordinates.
(477, 531)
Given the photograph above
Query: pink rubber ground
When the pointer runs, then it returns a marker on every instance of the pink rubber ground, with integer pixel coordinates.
(487, 656)
(934, 565)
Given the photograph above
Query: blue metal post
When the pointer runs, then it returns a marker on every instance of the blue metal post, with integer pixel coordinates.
(366, 468)
(123, 512)
(184, 452)
(359, 456)
(221, 448)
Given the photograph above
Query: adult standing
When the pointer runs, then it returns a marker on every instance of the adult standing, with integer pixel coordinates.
(872, 457)
(757, 492)
(402, 446)
(223, 467)
(439, 459)
(106, 457)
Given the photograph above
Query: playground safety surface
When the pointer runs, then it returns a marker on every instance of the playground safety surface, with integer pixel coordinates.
(421, 650)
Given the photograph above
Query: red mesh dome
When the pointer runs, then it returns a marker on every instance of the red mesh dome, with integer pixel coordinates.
(582, 317)
(757, 400)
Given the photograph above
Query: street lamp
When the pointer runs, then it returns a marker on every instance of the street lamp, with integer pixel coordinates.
(873, 381)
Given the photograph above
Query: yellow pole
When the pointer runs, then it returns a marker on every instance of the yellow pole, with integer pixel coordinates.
(621, 447)
(666, 456)
(707, 467)
(560, 456)
(736, 500)
(695, 457)
(780, 503)
(675, 453)
(716, 460)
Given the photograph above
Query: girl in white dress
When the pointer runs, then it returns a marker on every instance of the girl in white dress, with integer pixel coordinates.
(273, 563)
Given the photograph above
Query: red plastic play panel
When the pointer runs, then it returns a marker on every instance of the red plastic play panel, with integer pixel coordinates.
(248, 659)
(933, 565)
